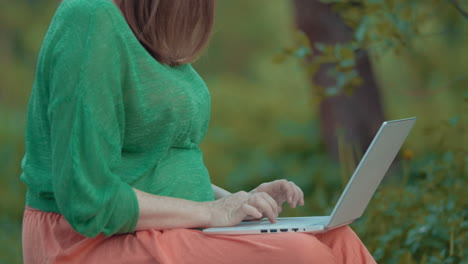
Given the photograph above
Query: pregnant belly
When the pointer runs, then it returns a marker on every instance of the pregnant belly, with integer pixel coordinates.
(182, 174)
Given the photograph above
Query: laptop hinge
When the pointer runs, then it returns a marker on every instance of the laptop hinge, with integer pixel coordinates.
(343, 224)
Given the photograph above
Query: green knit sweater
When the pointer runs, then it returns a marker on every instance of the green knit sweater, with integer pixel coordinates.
(105, 116)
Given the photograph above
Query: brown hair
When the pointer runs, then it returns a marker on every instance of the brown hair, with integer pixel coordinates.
(174, 32)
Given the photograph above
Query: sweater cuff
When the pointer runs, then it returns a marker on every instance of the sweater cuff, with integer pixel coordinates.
(126, 211)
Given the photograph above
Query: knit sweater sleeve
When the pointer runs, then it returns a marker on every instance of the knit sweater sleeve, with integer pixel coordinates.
(86, 115)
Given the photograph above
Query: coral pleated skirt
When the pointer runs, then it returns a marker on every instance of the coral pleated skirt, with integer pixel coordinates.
(48, 238)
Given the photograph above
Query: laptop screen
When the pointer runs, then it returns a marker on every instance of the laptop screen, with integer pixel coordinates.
(370, 171)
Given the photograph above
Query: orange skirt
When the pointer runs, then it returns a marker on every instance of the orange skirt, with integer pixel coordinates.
(48, 238)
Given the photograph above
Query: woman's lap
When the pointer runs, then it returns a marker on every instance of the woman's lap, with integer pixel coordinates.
(48, 238)
(190, 246)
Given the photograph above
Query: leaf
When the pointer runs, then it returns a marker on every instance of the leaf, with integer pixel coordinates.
(336, 51)
(341, 79)
(331, 91)
(361, 30)
(302, 39)
(448, 157)
(302, 52)
(357, 81)
(464, 224)
(407, 13)
(320, 46)
(312, 68)
(347, 52)
(454, 121)
(347, 63)
(279, 58)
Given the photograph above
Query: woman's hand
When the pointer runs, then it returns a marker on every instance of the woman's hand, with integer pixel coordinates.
(234, 208)
(282, 191)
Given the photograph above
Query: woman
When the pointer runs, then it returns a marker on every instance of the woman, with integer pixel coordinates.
(112, 162)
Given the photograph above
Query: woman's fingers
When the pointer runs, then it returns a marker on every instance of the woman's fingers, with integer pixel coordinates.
(301, 196)
(272, 202)
(282, 191)
(293, 193)
(265, 204)
(298, 195)
(251, 211)
(290, 193)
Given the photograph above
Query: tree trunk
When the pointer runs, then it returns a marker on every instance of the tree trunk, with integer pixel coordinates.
(356, 117)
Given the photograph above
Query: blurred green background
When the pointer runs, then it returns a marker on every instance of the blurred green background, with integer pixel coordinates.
(265, 126)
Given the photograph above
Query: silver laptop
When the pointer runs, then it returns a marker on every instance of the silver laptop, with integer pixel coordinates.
(354, 199)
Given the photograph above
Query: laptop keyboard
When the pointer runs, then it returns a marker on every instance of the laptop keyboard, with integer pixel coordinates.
(285, 222)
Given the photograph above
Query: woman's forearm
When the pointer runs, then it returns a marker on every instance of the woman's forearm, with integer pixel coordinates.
(219, 192)
(161, 212)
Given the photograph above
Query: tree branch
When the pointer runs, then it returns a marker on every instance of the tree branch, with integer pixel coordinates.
(459, 8)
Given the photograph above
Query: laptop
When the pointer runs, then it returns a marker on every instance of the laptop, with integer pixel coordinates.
(354, 199)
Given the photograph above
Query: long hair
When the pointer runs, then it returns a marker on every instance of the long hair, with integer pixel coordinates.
(174, 32)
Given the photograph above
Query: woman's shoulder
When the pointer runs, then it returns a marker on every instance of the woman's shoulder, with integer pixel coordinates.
(79, 12)
(81, 27)
(84, 6)
(79, 20)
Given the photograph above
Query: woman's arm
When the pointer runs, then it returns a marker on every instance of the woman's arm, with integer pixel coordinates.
(161, 212)
(219, 192)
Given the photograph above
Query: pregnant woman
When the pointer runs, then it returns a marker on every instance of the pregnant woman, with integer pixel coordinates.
(112, 163)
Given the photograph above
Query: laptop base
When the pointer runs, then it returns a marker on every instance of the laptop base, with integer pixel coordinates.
(314, 224)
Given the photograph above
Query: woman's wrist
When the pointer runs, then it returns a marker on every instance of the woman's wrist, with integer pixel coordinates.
(162, 212)
(219, 192)
(205, 215)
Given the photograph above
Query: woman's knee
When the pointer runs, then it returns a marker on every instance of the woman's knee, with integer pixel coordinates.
(306, 248)
(343, 233)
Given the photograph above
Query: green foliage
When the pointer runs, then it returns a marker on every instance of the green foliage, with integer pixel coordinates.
(423, 220)
(379, 27)
(420, 218)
